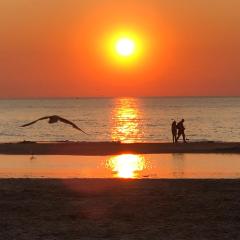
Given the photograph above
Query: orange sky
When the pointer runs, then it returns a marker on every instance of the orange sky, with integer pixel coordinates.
(57, 48)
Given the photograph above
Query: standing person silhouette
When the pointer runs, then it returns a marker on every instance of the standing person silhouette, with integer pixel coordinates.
(181, 131)
(174, 131)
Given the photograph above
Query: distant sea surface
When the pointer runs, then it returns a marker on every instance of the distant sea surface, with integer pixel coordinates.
(122, 119)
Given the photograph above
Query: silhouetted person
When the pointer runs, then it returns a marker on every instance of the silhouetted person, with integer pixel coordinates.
(174, 131)
(181, 131)
(54, 119)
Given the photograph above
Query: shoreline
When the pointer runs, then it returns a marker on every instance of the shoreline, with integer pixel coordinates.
(114, 148)
(119, 209)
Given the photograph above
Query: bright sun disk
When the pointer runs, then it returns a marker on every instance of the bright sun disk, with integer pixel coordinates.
(125, 47)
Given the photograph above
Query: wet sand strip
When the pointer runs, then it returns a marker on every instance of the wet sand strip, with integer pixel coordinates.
(112, 148)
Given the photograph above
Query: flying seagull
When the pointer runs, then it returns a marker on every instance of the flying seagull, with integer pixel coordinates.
(54, 119)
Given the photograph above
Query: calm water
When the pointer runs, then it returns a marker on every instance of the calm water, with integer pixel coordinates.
(124, 119)
(122, 166)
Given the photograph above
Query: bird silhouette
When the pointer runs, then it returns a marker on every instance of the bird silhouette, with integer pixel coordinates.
(55, 119)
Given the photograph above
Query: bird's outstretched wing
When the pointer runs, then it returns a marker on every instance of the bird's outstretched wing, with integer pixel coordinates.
(72, 124)
(25, 125)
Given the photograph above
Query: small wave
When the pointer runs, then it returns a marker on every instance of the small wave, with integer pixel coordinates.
(11, 134)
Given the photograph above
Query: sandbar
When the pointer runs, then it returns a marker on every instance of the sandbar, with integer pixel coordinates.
(111, 148)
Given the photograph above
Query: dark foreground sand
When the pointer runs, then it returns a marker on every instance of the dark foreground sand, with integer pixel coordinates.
(111, 148)
(119, 209)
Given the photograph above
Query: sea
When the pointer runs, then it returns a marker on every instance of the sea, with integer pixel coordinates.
(146, 119)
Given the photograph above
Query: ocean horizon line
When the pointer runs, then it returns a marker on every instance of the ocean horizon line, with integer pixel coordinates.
(113, 97)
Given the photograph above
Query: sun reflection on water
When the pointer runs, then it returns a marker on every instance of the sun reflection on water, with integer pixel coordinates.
(126, 120)
(126, 165)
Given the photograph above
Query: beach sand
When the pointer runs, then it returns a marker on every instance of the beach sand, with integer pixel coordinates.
(111, 148)
(119, 209)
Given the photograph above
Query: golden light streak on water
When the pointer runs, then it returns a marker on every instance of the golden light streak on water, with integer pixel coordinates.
(127, 165)
(126, 120)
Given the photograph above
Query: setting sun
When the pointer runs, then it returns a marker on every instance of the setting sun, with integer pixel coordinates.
(125, 47)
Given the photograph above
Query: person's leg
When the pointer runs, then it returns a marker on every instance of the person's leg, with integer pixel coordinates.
(175, 137)
(184, 138)
(178, 135)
